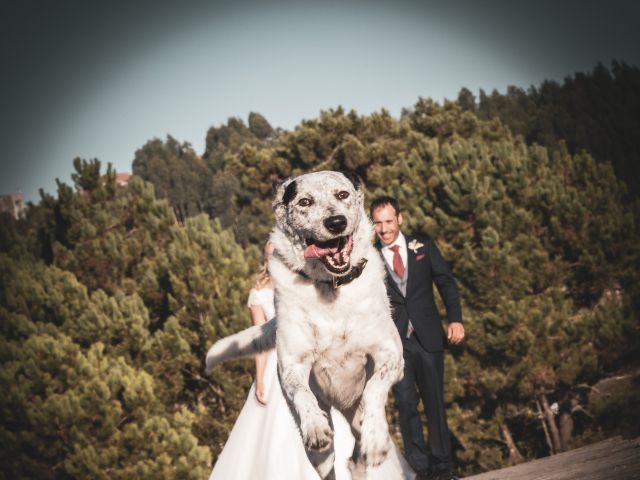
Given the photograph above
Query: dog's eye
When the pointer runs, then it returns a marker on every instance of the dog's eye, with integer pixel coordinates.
(305, 202)
(342, 195)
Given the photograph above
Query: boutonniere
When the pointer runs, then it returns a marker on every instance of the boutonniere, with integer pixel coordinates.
(415, 245)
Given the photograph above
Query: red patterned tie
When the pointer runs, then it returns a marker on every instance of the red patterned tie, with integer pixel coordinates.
(398, 266)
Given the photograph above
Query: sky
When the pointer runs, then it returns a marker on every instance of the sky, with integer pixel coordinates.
(95, 79)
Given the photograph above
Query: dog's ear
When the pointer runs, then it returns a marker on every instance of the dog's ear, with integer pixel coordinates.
(289, 192)
(284, 192)
(353, 178)
(356, 181)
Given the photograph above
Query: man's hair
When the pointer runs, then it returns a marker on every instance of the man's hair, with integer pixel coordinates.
(383, 201)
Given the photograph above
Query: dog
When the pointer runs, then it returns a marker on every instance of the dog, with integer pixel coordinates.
(337, 345)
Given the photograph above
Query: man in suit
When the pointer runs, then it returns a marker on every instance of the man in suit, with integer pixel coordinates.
(414, 264)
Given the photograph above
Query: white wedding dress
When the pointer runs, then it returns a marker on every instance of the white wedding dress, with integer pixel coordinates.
(265, 443)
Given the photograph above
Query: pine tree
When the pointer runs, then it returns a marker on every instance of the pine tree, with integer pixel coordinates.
(178, 174)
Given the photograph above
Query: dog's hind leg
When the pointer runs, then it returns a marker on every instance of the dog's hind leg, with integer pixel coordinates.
(256, 339)
(357, 466)
(387, 367)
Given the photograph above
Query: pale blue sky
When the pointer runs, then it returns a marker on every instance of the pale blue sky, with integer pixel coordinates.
(100, 79)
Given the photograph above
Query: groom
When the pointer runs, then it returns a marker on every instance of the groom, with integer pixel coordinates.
(414, 264)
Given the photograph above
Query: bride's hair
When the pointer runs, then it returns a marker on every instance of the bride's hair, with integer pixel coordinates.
(263, 279)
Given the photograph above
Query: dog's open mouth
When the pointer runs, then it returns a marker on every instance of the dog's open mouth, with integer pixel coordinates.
(334, 254)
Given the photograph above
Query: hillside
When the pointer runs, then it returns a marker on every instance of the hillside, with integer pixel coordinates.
(111, 294)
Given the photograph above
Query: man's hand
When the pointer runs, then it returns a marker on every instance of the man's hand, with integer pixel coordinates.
(455, 333)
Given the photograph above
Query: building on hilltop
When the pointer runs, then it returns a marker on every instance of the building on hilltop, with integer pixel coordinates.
(123, 178)
(14, 205)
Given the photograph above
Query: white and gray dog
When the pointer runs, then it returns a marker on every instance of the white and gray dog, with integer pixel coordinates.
(336, 343)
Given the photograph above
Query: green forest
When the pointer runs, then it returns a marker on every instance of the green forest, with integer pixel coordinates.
(111, 295)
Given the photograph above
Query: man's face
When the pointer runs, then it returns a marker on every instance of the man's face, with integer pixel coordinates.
(387, 223)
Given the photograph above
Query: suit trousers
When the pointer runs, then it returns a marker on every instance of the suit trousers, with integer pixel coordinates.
(423, 380)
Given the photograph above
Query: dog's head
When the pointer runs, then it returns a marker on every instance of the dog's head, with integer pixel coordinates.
(322, 217)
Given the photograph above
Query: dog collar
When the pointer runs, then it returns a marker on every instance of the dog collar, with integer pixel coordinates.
(355, 272)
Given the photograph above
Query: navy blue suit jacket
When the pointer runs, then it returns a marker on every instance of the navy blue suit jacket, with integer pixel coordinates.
(426, 268)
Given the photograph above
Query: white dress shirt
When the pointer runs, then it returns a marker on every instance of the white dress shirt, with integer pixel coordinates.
(387, 253)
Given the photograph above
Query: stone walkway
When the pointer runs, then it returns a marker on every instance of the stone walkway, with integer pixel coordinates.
(614, 458)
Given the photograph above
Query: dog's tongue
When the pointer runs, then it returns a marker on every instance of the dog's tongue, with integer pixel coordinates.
(314, 251)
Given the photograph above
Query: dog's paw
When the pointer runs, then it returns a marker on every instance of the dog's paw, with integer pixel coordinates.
(316, 432)
(375, 442)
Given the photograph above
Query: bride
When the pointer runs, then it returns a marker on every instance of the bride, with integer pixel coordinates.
(265, 443)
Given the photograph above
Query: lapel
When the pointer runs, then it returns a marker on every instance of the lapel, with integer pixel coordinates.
(388, 279)
(413, 264)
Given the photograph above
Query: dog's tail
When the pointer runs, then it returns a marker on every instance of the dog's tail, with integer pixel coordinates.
(256, 339)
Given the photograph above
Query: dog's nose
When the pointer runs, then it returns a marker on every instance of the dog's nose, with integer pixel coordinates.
(336, 223)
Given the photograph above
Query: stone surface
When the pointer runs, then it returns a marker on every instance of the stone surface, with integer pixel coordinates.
(614, 458)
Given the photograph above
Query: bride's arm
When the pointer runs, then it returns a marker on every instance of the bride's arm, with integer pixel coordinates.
(258, 318)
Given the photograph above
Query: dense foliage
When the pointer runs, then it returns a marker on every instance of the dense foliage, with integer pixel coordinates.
(598, 112)
(111, 296)
(108, 306)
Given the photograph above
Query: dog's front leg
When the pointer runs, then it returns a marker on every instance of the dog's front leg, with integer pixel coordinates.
(375, 442)
(323, 460)
(312, 420)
